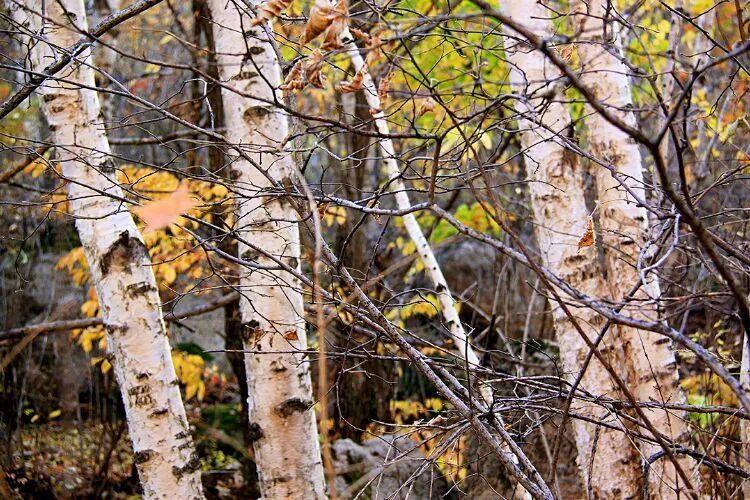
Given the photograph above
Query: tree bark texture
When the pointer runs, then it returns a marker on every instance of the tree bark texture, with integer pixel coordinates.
(287, 452)
(118, 260)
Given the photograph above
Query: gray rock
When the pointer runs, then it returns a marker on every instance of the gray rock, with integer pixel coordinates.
(387, 467)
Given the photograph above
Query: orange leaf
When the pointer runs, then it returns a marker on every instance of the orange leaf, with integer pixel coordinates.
(159, 214)
(321, 17)
(588, 237)
(312, 66)
(305, 71)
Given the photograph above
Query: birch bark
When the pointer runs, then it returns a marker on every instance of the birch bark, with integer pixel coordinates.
(624, 224)
(280, 400)
(607, 461)
(118, 260)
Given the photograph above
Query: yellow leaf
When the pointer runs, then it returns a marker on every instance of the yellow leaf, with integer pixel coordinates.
(54, 414)
(169, 274)
(106, 366)
(190, 391)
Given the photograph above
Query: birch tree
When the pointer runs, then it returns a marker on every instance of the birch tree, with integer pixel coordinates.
(280, 401)
(432, 267)
(625, 228)
(607, 463)
(118, 260)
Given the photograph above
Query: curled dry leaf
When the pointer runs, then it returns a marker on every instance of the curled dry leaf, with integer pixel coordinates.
(313, 64)
(360, 35)
(353, 85)
(588, 237)
(332, 37)
(294, 79)
(305, 71)
(161, 213)
(329, 19)
(270, 10)
(321, 17)
(383, 88)
(427, 106)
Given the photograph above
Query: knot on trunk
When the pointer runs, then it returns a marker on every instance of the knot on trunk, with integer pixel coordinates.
(123, 253)
(291, 406)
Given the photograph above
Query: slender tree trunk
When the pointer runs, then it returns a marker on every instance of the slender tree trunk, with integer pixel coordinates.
(119, 263)
(605, 456)
(432, 268)
(280, 401)
(624, 224)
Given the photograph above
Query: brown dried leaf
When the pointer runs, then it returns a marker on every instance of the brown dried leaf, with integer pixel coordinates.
(305, 71)
(427, 106)
(291, 335)
(331, 20)
(295, 79)
(161, 213)
(270, 10)
(321, 17)
(383, 88)
(360, 35)
(313, 64)
(587, 239)
(353, 85)
(332, 38)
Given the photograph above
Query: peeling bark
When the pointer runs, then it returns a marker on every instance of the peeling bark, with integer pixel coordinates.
(605, 456)
(625, 226)
(119, 262)
(286, 447)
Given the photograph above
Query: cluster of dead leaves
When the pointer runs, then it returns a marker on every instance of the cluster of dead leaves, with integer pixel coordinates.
(327, 20)
(353, 85)
(330, 21)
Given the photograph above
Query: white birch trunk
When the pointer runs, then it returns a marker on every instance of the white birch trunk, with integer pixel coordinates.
(119, 263)
(432, 268)
(624, 230)
(280, 400)
(608, 464)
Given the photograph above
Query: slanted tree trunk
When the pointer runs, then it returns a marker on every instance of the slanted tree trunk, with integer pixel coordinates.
(118, 260)
(432, 268)
(280, 400)
(605, 456)
(624, 224)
